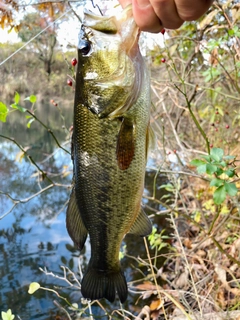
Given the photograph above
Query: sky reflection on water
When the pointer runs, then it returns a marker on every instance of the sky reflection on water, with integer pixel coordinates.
(33, 235)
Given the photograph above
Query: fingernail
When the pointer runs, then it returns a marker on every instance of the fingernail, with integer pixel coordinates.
(143, 3)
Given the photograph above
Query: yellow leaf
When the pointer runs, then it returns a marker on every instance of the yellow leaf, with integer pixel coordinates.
(235, 14)
(19, 156)
(65, 174)
(156, 304)
(36, 174)
(208, 19)
(50, 10)
(172, 49)
(34, 286)
(60, 6)
(197, 216)
(226, 4)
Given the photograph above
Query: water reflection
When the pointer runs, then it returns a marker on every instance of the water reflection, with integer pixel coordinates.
(34, 235)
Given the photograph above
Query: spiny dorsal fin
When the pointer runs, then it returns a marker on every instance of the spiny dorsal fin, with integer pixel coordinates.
(75, 225)
(142, 225)
(125, 145)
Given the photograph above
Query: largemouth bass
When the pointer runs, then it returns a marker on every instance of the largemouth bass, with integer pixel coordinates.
(111, 135)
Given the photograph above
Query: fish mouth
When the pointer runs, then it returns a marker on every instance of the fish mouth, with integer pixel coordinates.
(122, 24)
(96, 28)
(114, 45)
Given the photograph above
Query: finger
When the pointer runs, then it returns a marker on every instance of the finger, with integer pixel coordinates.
(145, 16)
(167, 12)
(192, 12)
(124, 3)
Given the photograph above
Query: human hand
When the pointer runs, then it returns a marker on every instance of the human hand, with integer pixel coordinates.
(154, 15)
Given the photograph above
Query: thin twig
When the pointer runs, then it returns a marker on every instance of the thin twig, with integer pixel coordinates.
(49, 130)
(187, 264)
(28, 156)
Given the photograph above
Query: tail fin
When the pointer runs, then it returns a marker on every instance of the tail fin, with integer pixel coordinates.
(97, 284)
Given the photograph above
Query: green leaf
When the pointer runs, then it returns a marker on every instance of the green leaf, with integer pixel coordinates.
(202, 169)
(31, 98)
(3, 112)
(34, 286)
(216, 154)
(29, 122)
(230, 172)
(74, 306)
(219, 171)
(169, 187)
(16, 106)
(197, 162)
(7, 315)
(231, 188)
(216, 182)
(206, 157)
(212, 119)
(64, 260)
(16, 98)
(223, 164)
(71, 263)
(229, 157)
(210, 168)
(166, 196)
(219, 195)
(220, 110)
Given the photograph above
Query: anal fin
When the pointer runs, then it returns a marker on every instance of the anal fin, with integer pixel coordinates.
(142, 225)
(151, 140)
(75, 225)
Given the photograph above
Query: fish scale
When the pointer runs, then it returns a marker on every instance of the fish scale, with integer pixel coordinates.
(111, 136)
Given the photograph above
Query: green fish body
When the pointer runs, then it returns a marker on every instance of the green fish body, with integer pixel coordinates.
(111, 136)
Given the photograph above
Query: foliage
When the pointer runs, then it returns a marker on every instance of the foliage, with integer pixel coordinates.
(33, 287)
(16, 105)
(10, 8)
(7, 315)
(3, 112)
(158, 240)
(220, 168)
(7, 9)
(25, 76)
(34, 24)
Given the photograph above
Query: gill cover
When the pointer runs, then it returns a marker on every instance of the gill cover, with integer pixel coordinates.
(107, 46)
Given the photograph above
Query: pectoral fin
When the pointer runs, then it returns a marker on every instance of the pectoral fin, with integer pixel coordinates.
(75, 225)
(142, 225)
(125, 145)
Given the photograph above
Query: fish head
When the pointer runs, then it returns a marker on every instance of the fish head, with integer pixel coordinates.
(107, 54)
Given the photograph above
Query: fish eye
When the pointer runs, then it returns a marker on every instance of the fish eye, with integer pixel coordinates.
(85, 47)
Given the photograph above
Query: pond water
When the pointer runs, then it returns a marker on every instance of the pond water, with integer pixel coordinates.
(32, 231)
